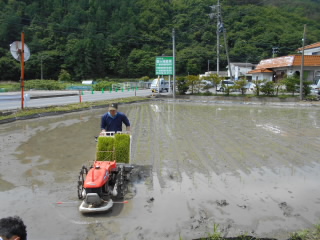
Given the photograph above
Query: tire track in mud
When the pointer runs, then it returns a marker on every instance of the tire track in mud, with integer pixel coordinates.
(223, 143)
(175, 138)
(227, 144)
(193, 140)
(140, 125)
(183, 149)
(162, 144)
(147, 144)
(286, 153)
(168, 164)
(259, 156)
(230, 136)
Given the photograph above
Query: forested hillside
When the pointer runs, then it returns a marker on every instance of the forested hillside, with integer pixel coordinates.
(99, 38)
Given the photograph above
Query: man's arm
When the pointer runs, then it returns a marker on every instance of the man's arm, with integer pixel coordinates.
(103, 124)
(127, 123)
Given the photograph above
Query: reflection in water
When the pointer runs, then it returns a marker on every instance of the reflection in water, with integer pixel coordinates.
(269, 127)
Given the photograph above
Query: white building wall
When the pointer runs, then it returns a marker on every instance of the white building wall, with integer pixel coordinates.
(262, 76)
(312, 51)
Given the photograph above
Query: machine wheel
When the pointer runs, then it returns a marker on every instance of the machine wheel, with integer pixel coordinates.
(81, 179)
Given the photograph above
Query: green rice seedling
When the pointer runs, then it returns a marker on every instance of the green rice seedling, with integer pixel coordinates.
(216, 235)
(122, 147)
(105, 149)
(301, 235)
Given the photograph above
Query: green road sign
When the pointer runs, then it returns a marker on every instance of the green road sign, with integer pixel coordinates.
(164, 65)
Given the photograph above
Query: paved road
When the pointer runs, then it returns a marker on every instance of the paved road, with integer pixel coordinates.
(10, 101)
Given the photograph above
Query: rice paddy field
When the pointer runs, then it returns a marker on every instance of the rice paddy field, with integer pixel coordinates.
(200, 167)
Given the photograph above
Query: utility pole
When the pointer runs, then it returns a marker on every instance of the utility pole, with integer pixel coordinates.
(302, 60)
(226, 46)
(274, 50)
(218, 38)
(216, 13)
(220, 29)
(41, 67)
(174, 63)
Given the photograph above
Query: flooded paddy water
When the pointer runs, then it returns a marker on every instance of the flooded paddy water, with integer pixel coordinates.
(245, 169)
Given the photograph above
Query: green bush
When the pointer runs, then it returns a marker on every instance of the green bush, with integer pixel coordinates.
(9, 86)
(64, 76)
(102, 79)
(306, 89)
(268, 88)
(105, 149)
(44, 85)
(102, 85)
(291, 84)
(145, 78)
(311, 98)
(182, 85)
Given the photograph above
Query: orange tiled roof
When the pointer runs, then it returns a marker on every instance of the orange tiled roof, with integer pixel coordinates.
(314, 45)
(276, 62)
(263, 70)
(309, 60)
(287, 61)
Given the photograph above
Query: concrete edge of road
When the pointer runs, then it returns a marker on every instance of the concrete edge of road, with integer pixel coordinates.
(165, 98)
(39, 94)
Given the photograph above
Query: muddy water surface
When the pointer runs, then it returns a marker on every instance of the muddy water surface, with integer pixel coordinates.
(249, 169)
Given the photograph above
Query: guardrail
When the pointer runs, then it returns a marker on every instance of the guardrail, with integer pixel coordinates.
(15, 97)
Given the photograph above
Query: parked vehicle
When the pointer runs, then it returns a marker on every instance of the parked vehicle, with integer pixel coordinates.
(207, 83)
(315, 87)
(160, 85)
(250, 86)
(224, 84)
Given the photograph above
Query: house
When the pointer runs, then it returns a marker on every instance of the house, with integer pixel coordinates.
(312, 49)
(275, 69)
(241, 70)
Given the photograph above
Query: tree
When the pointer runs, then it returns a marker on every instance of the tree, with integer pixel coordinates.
(240, 85)
(278, 85)
(9, 69)
(291, 83)
(182, 85)
(306, 89)
(268, 88)
(141, 62)
(193, 82)
(64, 76)
(119, 38)
(258, 84)
(216, 79)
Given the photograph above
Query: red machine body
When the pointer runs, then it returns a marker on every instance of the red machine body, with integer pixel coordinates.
(99, 174)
